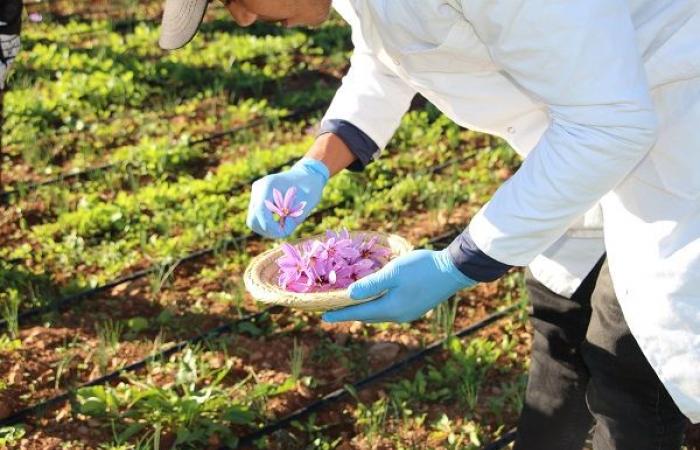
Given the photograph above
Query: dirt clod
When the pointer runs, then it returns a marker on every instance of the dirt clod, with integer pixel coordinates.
(342, 339)
(384, 351)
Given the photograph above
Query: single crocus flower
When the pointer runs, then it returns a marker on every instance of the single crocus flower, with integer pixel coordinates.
(284, 206)
(339, 248)
(355, 271)
(374, 252)
(292, 265)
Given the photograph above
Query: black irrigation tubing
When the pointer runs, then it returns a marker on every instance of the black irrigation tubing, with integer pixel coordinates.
(64, 302)
(502, 442)
(23, 188)
(41, 407)
(343, 392)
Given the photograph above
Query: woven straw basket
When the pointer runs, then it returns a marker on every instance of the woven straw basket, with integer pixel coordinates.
(261, 276)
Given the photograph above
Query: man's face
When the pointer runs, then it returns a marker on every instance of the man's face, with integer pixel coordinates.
(289, 13)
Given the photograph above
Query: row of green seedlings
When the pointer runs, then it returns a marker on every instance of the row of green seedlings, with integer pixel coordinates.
(157, 149)
(157, 161)
(162, 158)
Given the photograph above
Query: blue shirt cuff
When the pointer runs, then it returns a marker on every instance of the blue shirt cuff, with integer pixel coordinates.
(474, 263)
(361, 145)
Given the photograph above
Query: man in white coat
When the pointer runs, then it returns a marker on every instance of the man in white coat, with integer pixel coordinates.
(602, 99)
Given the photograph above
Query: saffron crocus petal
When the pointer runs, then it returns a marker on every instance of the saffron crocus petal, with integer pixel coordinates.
(344, 282)
(299, 206)
(271, 206)
(316, 248)
(277, 195)
(296, 213)
(288, 264)
(363, 264)
(296, 286)
(348, 253)
(332, 277)
(289, 197)
(290, 250)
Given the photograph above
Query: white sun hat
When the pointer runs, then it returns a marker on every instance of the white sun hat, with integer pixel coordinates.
(181, 19)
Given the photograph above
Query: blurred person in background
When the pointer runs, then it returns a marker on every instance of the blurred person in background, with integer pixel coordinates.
(602, 99)
(10, 25)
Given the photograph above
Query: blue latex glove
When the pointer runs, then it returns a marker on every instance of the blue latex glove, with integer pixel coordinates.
(308, 175)
(414, 284)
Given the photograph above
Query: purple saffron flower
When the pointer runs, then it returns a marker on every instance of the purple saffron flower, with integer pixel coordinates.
(284, 206)
(292, 266)
(335, 248)
(343, 234)
(374, 252)
(354, 272)
(35, 17)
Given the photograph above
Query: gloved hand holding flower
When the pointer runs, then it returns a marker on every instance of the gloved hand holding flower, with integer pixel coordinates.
(291, 195)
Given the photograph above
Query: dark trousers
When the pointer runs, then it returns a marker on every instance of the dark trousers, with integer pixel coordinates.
(587, 372)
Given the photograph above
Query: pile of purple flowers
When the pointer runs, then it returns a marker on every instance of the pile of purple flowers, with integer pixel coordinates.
(334, 263)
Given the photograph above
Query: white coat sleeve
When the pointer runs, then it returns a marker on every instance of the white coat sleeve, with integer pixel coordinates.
(580, 58)
(371, 97)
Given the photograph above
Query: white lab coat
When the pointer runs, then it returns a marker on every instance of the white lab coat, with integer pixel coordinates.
(602, 98)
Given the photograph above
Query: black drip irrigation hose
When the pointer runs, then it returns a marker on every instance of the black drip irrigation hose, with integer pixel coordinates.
(40, 408)
(64, 302)
(343, 392)
(23, 188)
(502, 442)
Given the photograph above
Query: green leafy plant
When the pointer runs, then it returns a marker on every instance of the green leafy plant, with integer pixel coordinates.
(443, 318)
(192, 410)
(108, 334)
(11, 435)
(370, 418)
(62, 367)
(162, 275)
(296, 360)
(10, 311)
